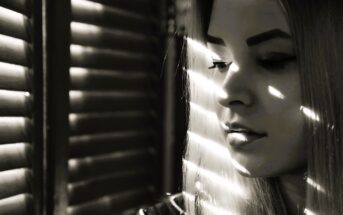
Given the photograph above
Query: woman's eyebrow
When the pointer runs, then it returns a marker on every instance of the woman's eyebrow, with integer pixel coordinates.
(215, 40)
(268, 35)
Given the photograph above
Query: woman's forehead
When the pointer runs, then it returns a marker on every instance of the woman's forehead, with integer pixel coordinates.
(244, 18)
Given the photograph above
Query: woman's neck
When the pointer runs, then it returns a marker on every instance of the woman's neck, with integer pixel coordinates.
(293, 189)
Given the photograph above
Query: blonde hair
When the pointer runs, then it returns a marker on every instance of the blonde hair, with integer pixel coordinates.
(211, 183)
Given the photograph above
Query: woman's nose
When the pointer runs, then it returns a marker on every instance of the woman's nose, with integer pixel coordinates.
(236, 91)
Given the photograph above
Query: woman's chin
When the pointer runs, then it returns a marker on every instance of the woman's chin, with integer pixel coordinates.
(252, 170)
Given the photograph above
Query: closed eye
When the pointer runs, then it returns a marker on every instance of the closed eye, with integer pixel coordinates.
(220, 65)
(276, 61)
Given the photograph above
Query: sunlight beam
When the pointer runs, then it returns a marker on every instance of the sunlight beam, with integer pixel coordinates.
(216, 149)
(211, 146)
(234, 67)
(310, 113)
(229, 186)
(202, 81)
(196, 45)
(309, 212)
(275, 92)
(201, 110)
(315, 185)
(240, 167)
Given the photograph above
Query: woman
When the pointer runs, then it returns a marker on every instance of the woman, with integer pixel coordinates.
(265, 108)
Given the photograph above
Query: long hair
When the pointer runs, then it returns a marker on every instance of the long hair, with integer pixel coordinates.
(318, 31)
(211, 183)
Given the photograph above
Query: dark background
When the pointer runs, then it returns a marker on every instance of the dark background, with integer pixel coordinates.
(92, 105)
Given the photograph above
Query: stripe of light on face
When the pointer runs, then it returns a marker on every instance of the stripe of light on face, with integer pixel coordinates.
(215, 178)
(225, 126)
(309, 212)
(238, 136)
(206, 205)
(221, 93)
(239, 167)
(196, 45)
(275, 92)
(234, 67)
(310, 113)
(202, 81)
(315, 185)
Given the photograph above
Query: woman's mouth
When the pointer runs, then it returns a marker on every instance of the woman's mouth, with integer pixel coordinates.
(238, 135)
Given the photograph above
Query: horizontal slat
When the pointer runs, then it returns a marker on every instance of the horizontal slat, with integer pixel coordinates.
(15, 156)
(92, 35)
(114, 203)
(14, 129)
(82, 101)
(107, 122)
(14, 77)
(14, 51)
(14, 182)
(14, 103)
(96, 188)
(20, 6)
(102, 15)
(17, 205)
(88, 145)
(88, 167)
(145, 7)
(83, 56)
(91, 79)
(14, 24)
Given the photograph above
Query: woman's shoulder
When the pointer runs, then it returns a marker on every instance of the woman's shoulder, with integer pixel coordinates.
(172, 205)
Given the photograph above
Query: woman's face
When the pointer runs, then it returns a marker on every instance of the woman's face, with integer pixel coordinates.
(258, 106)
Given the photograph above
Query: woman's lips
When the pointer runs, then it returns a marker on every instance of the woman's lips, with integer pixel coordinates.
(240, 139)
(239, 135)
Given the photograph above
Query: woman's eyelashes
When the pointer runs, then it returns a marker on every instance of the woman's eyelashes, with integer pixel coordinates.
(220, 65)
(271, 61)
(276, 61)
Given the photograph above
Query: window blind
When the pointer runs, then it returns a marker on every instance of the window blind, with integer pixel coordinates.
(113, 103)
(16, 146)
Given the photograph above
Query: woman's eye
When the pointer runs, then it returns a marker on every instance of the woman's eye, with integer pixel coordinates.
(219, 65)
(276, 61)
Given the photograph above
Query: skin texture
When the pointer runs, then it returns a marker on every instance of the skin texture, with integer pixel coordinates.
(264, 98)
(251, 100)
